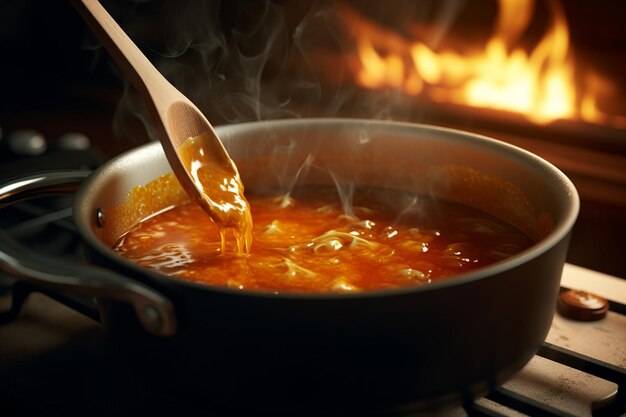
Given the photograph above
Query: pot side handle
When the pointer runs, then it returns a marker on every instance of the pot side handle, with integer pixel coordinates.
(154, 311)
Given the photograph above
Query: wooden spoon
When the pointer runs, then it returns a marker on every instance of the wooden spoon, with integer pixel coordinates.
(201, 163)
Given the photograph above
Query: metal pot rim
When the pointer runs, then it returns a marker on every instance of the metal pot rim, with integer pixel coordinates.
(560, 231)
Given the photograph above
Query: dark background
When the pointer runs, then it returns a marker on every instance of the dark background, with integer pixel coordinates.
(54, 78)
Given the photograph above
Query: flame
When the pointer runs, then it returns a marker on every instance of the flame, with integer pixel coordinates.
(539, 83)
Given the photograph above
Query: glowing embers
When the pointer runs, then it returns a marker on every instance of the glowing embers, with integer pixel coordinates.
(539, 82)
(389, 239)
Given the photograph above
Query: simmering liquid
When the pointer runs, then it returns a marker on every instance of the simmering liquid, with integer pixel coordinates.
(307, 243)
(221, 189)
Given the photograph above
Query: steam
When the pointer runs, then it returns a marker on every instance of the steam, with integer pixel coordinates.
(232, 59)
(445, 16)
(243, 61)
(289, 182)
(345, 190)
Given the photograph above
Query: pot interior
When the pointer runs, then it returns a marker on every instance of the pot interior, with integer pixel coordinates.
(483, 173)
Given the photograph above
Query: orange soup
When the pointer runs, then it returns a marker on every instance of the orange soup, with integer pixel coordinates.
(313, 241)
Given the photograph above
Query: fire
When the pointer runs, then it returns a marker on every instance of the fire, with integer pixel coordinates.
(540, 83)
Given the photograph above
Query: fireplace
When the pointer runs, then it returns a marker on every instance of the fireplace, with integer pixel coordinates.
(546, 76)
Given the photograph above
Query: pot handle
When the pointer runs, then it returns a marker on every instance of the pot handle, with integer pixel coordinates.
(154, 311)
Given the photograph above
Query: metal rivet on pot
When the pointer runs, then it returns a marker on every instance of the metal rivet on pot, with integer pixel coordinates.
(582, 306)
(150, 318)
(100, 219)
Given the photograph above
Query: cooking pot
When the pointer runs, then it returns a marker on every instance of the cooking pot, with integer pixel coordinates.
(390, 350)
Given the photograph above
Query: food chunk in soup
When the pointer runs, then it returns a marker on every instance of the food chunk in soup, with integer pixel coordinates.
(308, 242)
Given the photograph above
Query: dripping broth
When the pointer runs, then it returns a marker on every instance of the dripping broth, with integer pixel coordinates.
(308, 242)
(220, 190)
